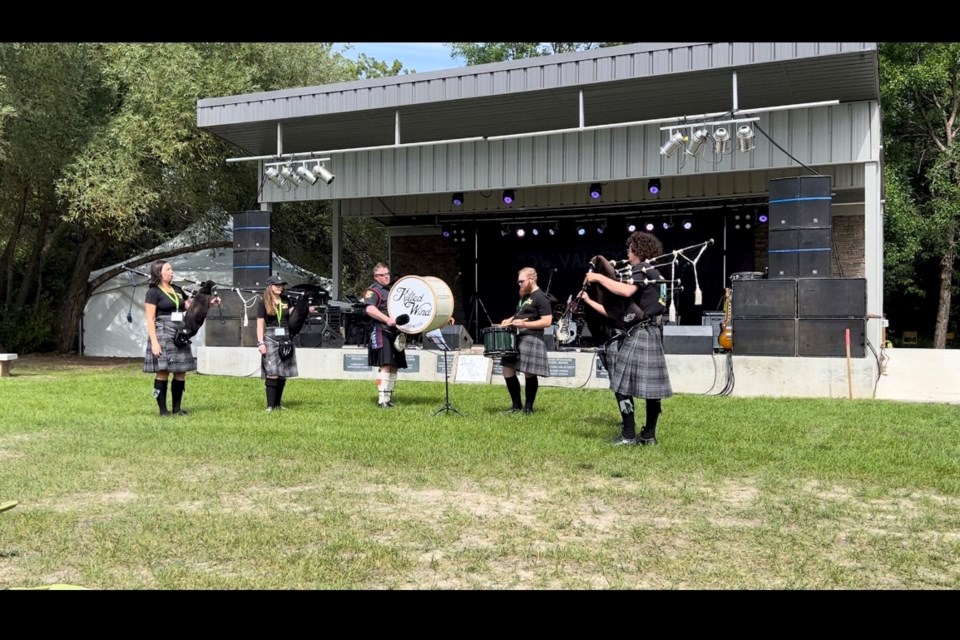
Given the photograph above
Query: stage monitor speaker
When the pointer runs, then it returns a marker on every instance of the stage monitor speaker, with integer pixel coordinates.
(713, 319)
(456, 337)
(251, 230)
(832, 297)
(316, 334)
(229, 333)
(689, 340)
(826, 337)
(764, 299)
(765, 337)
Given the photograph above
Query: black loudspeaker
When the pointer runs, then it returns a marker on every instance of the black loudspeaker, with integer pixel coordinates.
(231, 333)
(765, 337)
(832, 297)
(713, 319)
(456, 337)
(251, 268)
(691, 339)
(764, 299)
(802, 202)
(813, 263)
(251, 230)
(826, 337)
(783, 264)
(316, 334)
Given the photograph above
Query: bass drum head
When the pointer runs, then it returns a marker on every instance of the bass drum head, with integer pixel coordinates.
(427, 300)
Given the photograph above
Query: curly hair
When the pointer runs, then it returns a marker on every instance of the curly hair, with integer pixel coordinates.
(644, 245)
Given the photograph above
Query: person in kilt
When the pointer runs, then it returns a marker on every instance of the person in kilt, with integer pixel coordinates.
(534, 314)
(384, 350)
(634, 359)
(165, 305)
(278, 358)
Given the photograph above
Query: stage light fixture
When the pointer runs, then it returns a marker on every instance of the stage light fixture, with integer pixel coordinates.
(581, 230)
(457, 199)
(596, 190)
(721, 140)
(535, 230)
(696, 141)
(504, 231)
(521, 232)
(653, 186)
(291, 176)
(273, 175)
(323, 173)
(763, 218)
(673, 143)
(631, 227)
(745, 139)
(445, 231)
(667, 224)
(648, 226)
(601, 227)
(688, 224)
(552, 230)
(508, 196)
(306, 174)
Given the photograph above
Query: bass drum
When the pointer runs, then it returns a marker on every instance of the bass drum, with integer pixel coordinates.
(427, 300)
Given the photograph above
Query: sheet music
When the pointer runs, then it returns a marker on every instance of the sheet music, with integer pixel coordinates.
(436, 337)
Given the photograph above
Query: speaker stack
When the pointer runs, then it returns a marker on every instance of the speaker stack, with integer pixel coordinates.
(800, 227)
(252, 257)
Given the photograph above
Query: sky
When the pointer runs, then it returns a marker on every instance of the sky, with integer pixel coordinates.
(421, 56)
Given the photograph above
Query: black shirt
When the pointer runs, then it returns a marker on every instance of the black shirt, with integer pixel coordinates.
(164, 302)
(376, 295)
(533, 307)
(271, 318)
(647, 296)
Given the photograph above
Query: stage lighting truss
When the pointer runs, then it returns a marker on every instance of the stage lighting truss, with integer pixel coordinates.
(696, 135)
(290, 174)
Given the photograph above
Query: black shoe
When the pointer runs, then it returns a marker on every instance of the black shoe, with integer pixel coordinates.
(646, 442)
(385, 405)
(621, 441)
(513, 410)
(528, 411)
(181, 412)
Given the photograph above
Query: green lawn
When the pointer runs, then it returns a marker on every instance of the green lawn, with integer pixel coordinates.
(741, 493)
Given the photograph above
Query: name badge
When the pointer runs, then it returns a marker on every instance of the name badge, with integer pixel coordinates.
(280, 332)
(176, 316)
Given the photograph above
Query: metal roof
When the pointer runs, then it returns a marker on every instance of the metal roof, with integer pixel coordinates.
(619, 84)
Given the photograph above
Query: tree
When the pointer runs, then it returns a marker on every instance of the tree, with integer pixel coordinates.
(921, 100)
(487, 52)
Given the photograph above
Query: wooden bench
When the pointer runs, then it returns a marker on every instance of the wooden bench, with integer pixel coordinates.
(5, 360)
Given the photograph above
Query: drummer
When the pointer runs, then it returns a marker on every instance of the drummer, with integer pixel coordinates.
(533, 315)
(382, 351)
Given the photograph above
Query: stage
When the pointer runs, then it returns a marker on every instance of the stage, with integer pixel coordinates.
(693, 374)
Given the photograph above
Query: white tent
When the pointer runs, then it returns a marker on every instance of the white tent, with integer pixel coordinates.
(114, 320)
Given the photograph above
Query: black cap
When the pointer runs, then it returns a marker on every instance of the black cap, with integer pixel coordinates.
(275, 280)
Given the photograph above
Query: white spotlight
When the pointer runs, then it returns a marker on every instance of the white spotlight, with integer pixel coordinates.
(291, 177)
(745, 141)
(273, 175)
(670, 147)
(306, 174)
(721, 140)
(323, 173)
(696, 141)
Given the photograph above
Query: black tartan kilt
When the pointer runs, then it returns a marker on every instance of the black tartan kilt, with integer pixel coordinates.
(387, 355)
(178, 359)
(637, 366)
(532, 359)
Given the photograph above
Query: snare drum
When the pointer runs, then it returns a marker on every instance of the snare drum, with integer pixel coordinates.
(499, 341)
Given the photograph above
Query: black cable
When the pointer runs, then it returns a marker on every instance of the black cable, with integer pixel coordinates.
(774, 142)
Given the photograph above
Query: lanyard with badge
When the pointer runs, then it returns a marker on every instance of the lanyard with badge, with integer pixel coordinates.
(280, 331)
(176, 315)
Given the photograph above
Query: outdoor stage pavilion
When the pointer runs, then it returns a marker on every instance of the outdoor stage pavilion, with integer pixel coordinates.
(599, 140)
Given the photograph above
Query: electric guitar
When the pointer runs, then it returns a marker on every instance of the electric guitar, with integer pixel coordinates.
(725, 339)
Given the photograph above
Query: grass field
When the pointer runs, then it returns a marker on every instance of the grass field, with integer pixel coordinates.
(333, 493)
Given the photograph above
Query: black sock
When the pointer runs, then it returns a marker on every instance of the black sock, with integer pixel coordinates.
(271, 384)
(281, 383)
(177, 393)
(513, 386)
(531, 386)
(625, 404)
(654, 409)
(160, 393)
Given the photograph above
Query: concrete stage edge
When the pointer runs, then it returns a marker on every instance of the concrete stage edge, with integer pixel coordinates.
(693, 374)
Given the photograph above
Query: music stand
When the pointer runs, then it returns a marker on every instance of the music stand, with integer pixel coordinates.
(436, 337)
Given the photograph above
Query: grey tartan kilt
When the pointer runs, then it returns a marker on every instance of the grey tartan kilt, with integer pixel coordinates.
(177, 360)
(387, 355)
(532, 358)
(270, 363)
(637, 366)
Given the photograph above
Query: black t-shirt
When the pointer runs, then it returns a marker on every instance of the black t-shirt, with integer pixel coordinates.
(647, 296)
(272, 318)
(164, 302)
(376, 295)
(533, 307)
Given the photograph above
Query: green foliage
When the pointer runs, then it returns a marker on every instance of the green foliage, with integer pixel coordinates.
(31, 330)
(486, 52)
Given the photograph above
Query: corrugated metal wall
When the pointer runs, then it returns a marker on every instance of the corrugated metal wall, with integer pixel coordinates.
(823, 136)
